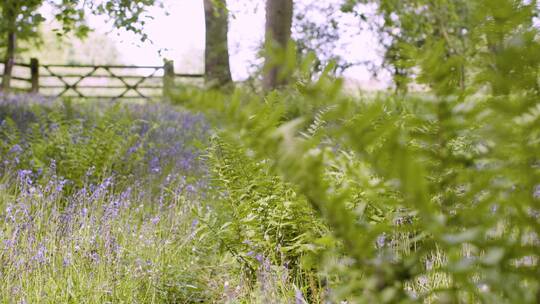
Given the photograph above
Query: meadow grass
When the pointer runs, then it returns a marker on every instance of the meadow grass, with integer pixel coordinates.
(98, 204)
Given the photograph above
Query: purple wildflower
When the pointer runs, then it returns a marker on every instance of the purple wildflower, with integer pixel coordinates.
(155, 165)
(194, 224)
(40, 255)
(66, 261)
(298, 297)
(16, 149)
(381, 240)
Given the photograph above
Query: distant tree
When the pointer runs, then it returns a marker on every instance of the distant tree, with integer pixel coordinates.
(279, 16)
(425, 41)
(21, 20)
(316, 29)
(216, 59)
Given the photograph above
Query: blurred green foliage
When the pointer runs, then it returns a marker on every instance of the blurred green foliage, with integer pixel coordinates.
(430, 197)
(449, 44)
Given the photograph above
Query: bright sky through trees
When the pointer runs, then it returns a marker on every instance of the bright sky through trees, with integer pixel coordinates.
(177, 33)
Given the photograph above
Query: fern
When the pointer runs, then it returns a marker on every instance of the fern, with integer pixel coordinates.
(256, 214)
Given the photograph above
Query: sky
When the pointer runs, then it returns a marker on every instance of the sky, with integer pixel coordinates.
(177, 32)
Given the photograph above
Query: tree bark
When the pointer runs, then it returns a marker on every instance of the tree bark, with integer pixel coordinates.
(217, 67)
(279, 15)
(9, 61)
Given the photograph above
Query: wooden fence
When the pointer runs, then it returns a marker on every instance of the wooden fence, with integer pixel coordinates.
(96, 81)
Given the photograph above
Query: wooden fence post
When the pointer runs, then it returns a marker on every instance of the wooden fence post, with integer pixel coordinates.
(168, 78)
(34, 77)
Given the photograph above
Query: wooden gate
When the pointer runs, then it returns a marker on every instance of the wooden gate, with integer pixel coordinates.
(97, 81)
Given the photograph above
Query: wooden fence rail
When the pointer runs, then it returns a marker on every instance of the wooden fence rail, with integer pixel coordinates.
(96, 81)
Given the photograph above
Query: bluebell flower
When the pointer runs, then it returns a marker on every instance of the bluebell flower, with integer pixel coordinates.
(155, 165)
(155, 220)
(66, 261)
(40, 255)
(194, 224)
(298, 297)
(16, 149)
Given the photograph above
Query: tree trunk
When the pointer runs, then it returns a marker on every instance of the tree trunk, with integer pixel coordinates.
(217, 67)
(279, 14)
(9, 61)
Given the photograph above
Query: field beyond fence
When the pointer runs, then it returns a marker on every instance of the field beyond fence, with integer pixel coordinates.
(97, 81)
